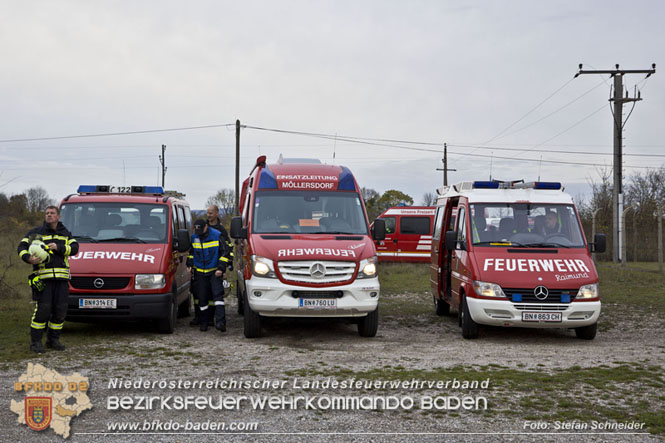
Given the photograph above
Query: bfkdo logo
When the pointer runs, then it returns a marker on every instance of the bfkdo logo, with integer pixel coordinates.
(51, 400)
(38, 412)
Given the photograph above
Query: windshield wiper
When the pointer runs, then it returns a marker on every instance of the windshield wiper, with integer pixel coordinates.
(119, 239)
(499, 243)
(85, 237)
(546, 245)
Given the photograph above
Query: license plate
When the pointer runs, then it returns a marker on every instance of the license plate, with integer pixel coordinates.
(542, 316)
(98, 303)
(318, 303)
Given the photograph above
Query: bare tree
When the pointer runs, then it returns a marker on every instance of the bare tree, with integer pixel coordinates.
(224, 199)
(429, 199)
(38, 199)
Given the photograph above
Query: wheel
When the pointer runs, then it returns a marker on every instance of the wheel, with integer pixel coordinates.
(185, 308)
(441, 306)
(241, 300)
(369, 324)
(469, 327)
(252, 320)
(587, 332)
(167, 325)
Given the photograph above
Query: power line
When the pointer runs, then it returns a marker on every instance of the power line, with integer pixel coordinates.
(147, 131)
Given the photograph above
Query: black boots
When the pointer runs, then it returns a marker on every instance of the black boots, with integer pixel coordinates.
(36, 341)
(54, 343)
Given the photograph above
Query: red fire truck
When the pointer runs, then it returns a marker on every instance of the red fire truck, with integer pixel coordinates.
(305, 246)
(131, 260)
(408, 234)
(514, 255)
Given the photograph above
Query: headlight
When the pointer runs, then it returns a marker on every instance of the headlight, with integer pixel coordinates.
(367, 268)
(149, 281)
(262, 267)
(485, 289)
(588, 291)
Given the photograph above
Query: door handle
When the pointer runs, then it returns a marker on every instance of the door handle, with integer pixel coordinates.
(394, 240)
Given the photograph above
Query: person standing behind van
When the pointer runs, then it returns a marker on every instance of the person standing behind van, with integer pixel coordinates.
(207, 261)
(49, 279)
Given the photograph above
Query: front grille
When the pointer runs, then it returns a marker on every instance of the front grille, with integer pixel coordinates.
(335, 271)
(554, 296)
(110, 283)
(541, 307)
(317, 294)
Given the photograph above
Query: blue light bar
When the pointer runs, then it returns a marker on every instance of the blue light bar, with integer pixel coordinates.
(485, 185)
(346, 182)
(547, 185)
(267, 179)
(93, 188)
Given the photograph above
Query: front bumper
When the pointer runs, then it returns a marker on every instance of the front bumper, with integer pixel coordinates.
(276, 299)
(506, 313)
(130, 307)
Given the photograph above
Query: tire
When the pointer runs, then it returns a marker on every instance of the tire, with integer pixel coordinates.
(185, 308)
(252, 320)
(587, 332)
(441, 307)
(369, 324)
(167, 325)
(241, 300)
(469, 327)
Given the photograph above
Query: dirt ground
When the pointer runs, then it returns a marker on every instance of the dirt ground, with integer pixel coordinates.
(308, 350)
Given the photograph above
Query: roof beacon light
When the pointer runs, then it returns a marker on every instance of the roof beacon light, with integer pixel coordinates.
(547, 185)
(107, 189)
(485, 185)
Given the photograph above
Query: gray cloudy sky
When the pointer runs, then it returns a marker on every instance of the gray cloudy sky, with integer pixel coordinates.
(425, 71)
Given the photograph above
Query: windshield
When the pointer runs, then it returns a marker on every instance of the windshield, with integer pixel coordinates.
(525, 225)
(116, 222)
(308, 212)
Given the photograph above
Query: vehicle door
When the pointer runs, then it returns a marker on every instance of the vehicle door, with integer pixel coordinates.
(181, 276)
(459, 255)
(415, 234)
(436, 251)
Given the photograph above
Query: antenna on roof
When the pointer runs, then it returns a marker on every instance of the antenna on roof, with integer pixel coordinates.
(334, 147)
(491, 161)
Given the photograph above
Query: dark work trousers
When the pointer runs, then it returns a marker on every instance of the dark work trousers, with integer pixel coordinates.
(209, 288)
(50, 310)
(197, 311)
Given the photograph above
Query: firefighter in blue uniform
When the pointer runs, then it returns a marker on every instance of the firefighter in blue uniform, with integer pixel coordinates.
(208, 259)
(49, 279)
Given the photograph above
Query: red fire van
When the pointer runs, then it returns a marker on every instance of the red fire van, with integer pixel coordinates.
(408, 234)
(305, 246)
(515, 255)
(133, 243)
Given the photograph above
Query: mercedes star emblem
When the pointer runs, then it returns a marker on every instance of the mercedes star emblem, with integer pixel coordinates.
(541, 292)
(317, 270)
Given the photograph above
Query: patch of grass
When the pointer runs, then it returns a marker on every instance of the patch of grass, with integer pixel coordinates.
(635, 285)
(398, 278)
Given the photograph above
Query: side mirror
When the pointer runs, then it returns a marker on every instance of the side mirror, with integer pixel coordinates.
(599, 243)
(451, 240)
(379, 229)
(183, 241)
(237, 231)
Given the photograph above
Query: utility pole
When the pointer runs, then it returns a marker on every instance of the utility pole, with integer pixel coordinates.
(162, 160)
(445, 165)
(237, 166)
(617, 192)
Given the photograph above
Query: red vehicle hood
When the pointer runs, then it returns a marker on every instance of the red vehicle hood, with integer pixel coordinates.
(107, 258)
(566, 269)
(312, 247)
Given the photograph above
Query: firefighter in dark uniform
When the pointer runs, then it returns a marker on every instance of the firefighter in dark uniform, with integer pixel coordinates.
(208, 259)
(49, 279)
(214, 222)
